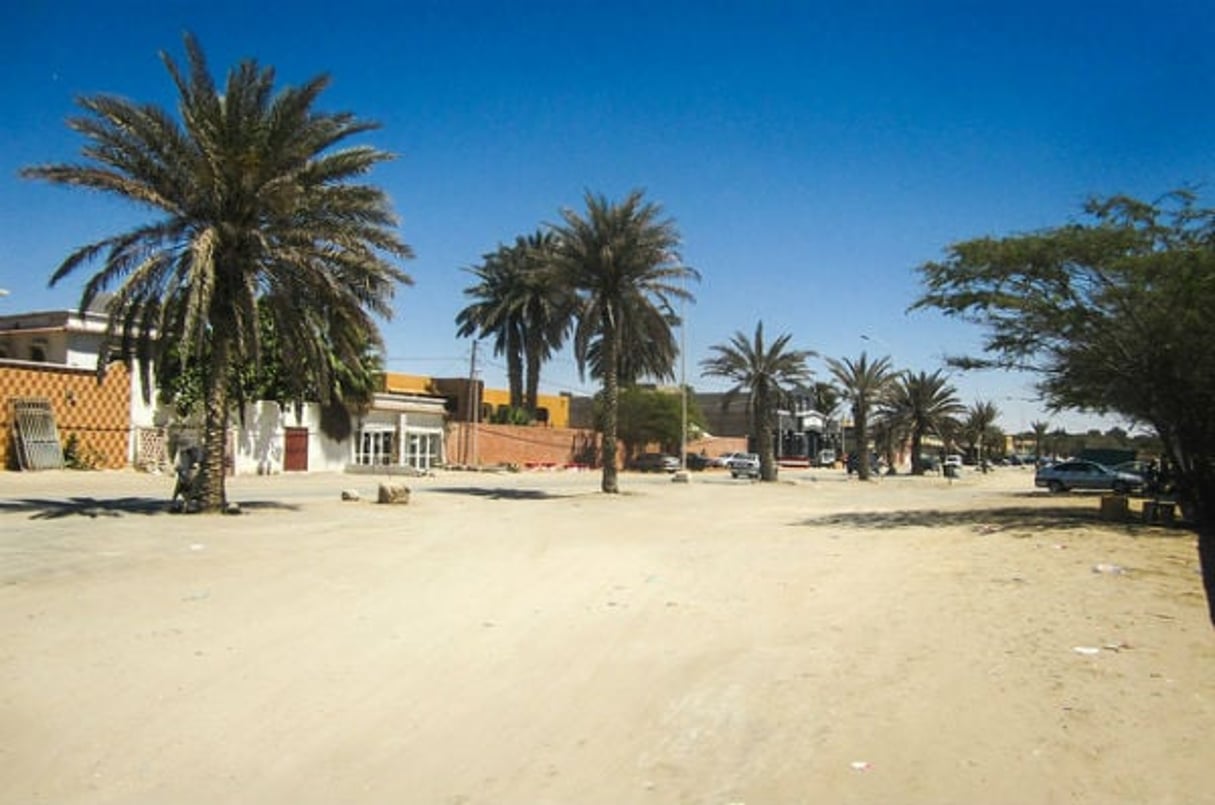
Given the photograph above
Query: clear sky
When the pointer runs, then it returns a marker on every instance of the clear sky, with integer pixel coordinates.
(812, 154)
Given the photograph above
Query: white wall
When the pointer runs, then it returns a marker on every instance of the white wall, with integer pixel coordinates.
(260, 444)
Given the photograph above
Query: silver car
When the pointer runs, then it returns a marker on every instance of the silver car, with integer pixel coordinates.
(1080, 474)
(744, 465)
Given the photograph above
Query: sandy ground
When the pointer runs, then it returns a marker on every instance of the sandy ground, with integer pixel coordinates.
(525, 639)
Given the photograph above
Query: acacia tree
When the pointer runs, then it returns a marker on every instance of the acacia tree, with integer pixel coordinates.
(622, 262)
(766, 373)
(1114, 315)
(864, 384)
(254, 203)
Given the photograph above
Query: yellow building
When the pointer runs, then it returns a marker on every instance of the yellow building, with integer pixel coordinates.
(553, 409)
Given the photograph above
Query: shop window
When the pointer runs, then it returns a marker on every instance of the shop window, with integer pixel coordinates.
(375, 448)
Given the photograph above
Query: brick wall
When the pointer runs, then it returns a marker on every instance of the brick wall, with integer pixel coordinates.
(520, 444)
(99, 414)
(526, 445)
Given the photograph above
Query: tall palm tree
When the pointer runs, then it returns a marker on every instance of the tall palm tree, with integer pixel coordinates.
(253, 203)
(522, 304)
(547, 310)
(648, 350)
(1040, 429)
(497, 312)
(767, 374)
(920, 405)
(980, 418)
(621, 260)
(863, 384)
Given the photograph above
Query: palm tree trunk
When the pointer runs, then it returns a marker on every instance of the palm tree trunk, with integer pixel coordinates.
(611, 404)
(862, 444)
(514, 372)
(532, 389)
(917, 447)
(215, 428)
(763, 436)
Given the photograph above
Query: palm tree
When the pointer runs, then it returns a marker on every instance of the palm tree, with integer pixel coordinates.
(1040, 430)
(547, 310)
(254, 205)
(863, 384)
(497, 313)
(766, 374)
(979, 420)
(921, 405)
(648, 350)
(521, 303)
(621, 260)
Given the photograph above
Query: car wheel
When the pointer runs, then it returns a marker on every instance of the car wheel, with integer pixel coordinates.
(1056, 487)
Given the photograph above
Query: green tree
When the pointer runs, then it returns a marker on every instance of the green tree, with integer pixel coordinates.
(497, 312)
(272, 378)
(980, 419)
(767, 374)
(522, 304)
(547, 311)
(621, 260)
(922, 405)
(864, 385)
(1040, 430)
(824, 397)
(650, 416)
(1114, 314)
(254, 204)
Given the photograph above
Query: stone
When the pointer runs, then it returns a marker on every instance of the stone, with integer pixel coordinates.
(350, 494)
(393, 493)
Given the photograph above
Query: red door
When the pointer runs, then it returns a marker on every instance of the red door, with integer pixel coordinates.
(295, 458)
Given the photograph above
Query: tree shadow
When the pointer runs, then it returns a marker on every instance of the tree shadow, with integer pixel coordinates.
(1004, 518)
(496, 494)
(55, 508)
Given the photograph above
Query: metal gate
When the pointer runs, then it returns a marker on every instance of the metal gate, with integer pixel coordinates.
(35, 434)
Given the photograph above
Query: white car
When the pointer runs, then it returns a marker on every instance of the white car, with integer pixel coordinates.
(743, 465)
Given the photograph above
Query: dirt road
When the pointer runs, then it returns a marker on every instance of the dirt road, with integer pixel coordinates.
(525, 639)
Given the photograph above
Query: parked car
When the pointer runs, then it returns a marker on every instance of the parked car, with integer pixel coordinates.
(744, 465)
(724, 459)
(826, 457)
(698, 461)
(655, 462)
(1079, 474)
(953, 460)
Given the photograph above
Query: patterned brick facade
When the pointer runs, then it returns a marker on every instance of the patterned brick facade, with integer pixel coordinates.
(99, 414)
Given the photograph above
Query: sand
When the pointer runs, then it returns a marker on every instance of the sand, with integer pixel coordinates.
(525, 639)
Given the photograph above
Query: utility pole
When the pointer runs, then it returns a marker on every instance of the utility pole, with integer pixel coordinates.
(474, 406)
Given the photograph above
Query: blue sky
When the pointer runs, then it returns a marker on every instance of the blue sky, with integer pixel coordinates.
(812, 155)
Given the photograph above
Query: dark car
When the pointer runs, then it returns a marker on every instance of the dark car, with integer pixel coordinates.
(655, 462)
(1079, 474)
